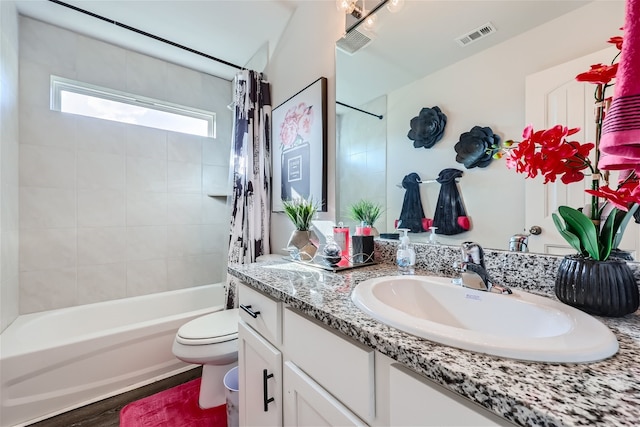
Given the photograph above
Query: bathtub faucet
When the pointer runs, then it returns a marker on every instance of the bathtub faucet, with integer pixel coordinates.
(472, 272)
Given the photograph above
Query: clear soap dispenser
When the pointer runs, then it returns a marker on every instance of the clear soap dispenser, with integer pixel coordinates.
(406, 256)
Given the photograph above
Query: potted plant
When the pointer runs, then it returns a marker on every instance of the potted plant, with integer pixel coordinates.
(366, 213)
(593, 280)
(301, 212)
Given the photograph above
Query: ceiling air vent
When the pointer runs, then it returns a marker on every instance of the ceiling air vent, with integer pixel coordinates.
(353, 41)
(476, 34)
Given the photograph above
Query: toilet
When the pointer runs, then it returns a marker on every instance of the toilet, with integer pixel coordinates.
(210, 341)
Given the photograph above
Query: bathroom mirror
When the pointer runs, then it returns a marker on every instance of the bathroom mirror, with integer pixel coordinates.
(436, 53)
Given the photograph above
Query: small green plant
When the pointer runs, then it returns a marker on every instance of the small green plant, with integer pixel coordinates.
(365, 211)
(300, 211)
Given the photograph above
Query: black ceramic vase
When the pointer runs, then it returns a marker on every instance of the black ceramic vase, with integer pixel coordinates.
(602, 288)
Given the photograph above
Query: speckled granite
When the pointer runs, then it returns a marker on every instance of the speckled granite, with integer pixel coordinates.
(605, 393)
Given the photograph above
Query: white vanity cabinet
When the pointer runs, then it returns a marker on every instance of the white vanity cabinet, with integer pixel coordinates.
(259, 360)
(415, 400)
(295, 371)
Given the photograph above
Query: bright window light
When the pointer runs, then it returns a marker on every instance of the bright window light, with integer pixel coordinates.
(73, 97)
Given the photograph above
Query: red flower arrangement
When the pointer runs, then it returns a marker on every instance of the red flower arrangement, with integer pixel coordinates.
(552, 154)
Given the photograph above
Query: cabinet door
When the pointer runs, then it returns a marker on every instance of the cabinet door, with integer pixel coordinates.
(416, 401)
(260, 377)
(308, 404)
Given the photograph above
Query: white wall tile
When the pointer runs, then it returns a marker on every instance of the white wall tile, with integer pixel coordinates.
(100, 136)
(40, 126)
(47, 207)
(146, 76)
(145, 142)
(47, 289)
(186, 148)
(47, 167)
(216, 152)
(101, 63)
(184, 240)
(103, 208)
(185, 87)
(49, 45)
(184, 272)
(212, 235)
(35, 85)
(100, 171)
(49, 248)
(102, 282)
(145, 208)
(184, 209)
(146, 175)
(184, 177)
(215, 180)
(216, 211)
(146, 277)
(147, 242)
(212, 269)
(101, 245)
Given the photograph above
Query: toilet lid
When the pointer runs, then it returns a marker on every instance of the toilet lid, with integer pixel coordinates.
(210, 329)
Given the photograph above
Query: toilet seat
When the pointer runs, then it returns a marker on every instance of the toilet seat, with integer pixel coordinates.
(213, 328)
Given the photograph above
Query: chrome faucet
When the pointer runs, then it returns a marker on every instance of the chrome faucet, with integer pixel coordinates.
(472, 272)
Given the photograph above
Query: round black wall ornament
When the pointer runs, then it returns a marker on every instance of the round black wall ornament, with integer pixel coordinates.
(477, 147)
(427, 128)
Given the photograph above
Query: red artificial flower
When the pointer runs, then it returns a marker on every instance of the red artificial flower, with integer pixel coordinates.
(599, 74)
(622, 198)
(547, 152)
(617, 40)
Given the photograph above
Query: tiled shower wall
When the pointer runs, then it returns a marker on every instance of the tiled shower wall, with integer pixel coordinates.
(8, 163)
(110, 210)
(362, 159)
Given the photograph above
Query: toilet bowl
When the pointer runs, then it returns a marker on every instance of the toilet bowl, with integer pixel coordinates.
(210, 341)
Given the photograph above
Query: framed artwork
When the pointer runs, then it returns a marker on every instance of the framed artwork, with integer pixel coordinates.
(299, 152)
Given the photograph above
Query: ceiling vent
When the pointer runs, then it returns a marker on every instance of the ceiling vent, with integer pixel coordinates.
(354, 40)
(476, 34)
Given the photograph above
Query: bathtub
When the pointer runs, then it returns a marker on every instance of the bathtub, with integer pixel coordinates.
(54, 361)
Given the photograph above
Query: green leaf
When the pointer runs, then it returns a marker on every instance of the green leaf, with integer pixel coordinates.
(571, 238)
(583, 227)
(625, 218)
(606, 234)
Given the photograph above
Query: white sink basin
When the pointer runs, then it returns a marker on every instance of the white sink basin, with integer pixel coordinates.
(520, 326)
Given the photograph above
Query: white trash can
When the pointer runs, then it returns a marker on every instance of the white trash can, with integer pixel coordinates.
(233, 398)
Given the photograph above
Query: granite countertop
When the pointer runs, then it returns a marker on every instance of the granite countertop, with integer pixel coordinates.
(605, 393)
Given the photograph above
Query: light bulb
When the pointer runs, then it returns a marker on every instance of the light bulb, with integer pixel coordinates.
(394, 5)
(345, 5)
(370, 23)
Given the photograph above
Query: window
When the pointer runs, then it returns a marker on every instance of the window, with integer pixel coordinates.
(74, 97)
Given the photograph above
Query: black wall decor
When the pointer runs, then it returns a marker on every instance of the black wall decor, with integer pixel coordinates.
(477, 147)
(427, 128)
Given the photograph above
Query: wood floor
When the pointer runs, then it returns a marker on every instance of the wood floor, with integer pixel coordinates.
(106, 413)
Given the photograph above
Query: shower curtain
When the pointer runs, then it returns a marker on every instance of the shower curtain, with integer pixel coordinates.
(250, 167)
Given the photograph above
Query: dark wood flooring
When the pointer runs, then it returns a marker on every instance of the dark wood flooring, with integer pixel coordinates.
(106, 413)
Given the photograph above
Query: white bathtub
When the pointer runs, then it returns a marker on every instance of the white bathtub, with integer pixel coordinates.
(54, 361)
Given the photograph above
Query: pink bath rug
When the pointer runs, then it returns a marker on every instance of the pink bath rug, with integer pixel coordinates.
(175, 407)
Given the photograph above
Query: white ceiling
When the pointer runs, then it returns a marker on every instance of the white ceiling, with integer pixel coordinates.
(239, 31)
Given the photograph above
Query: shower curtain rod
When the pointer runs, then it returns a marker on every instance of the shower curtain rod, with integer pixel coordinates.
(144, 33)
(358, 109)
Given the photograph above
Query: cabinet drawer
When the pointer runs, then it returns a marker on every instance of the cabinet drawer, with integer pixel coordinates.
(268, 313)
(416, 400)
(342, 366)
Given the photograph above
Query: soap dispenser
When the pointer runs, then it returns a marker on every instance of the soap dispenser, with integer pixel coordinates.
(406, 256)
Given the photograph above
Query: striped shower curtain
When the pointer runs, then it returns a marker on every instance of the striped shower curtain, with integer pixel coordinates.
(250, 167)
